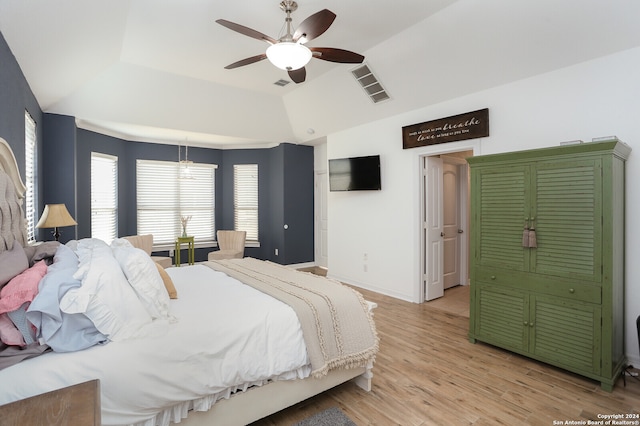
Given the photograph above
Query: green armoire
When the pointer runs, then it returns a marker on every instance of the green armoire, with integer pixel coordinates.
(547, 255)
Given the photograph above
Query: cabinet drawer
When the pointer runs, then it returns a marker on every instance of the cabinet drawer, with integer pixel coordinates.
(542, 284)
(502, 277)
(578, 291)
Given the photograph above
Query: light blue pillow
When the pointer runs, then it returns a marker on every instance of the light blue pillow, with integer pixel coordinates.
(64, 258)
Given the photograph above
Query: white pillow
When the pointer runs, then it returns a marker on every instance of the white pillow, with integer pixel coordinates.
(105, 296)
(143, 275)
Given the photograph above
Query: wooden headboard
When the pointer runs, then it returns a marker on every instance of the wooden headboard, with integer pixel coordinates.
(12, 191)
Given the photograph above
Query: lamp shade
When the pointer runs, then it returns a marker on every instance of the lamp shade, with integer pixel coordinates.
(54, 216)
(289, 56)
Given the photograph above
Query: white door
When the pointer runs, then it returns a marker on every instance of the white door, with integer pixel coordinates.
(321, 221)
(451, 225)
(432, 274)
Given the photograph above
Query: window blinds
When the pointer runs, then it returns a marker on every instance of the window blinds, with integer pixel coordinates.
(104, 196)
(245, 199)
(30, 175)
(163, 198)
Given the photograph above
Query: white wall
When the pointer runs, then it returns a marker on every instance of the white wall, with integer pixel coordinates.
(592, 99)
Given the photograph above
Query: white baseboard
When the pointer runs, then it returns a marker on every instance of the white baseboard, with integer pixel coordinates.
(302, 265)
(633, 360)
(369, 287)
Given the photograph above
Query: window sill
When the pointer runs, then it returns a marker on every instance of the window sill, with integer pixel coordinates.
(199, 244)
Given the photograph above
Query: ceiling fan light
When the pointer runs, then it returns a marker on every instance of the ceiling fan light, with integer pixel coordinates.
(288, 56)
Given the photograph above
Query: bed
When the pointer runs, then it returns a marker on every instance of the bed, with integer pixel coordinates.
(243, 338)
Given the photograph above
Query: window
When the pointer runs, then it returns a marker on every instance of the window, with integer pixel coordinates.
(164, 195)
(30, 175)
(104, 196)
(245, 199)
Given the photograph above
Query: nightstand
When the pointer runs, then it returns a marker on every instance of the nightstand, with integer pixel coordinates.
(190, 250)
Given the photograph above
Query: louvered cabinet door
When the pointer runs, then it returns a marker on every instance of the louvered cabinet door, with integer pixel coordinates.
(567, 212)
(500, 205)
(566, 333)
(502, 316)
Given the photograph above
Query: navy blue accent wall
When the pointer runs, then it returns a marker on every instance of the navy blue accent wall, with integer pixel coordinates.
(59, 169)
(16, 97)
(298, 200)
(276, 184)
(291, 208)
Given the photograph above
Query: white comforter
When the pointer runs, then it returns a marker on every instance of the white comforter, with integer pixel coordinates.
(228, 336)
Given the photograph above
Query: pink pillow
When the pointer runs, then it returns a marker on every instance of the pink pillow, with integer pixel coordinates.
(22, 288)
(9, 334)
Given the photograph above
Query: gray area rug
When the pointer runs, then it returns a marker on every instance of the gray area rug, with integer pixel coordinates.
(330, 417)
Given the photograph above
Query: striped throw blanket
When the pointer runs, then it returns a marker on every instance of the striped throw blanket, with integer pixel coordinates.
(337, 326)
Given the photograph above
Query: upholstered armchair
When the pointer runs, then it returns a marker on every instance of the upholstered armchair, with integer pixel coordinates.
(145, 242)
(231, 244)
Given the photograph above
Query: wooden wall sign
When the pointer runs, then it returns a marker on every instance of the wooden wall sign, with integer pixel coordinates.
(470, 125)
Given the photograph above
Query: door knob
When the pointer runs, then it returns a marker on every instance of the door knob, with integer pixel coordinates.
(460, 231)
(442, 234)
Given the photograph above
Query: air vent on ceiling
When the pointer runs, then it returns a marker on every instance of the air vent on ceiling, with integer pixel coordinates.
(370, 83)
(282, 82)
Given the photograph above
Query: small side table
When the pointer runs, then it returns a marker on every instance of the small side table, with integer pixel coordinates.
(190, 250)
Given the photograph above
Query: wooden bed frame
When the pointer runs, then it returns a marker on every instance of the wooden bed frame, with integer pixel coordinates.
(243, 407)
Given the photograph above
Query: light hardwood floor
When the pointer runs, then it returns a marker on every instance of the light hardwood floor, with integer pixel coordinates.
(428, 373)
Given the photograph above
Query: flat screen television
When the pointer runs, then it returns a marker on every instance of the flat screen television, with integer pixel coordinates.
(355, 173)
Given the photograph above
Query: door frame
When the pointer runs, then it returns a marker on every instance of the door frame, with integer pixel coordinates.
(463, 208)
(465, 216)
(321, 185)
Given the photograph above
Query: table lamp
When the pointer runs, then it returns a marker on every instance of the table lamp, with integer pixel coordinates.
(55, 216)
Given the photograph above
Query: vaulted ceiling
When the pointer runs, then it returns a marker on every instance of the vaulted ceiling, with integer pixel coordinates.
(153, 70)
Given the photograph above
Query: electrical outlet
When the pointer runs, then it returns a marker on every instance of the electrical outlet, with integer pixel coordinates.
(366, 268)
(365, 257)
(276, 252)
(171, 253)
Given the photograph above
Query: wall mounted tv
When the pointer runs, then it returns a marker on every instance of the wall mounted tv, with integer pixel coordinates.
(355, 173)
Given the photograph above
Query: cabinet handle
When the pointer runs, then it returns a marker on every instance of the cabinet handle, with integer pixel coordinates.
(531, 324)
(571, 290)
(526, 323)
(493, 277)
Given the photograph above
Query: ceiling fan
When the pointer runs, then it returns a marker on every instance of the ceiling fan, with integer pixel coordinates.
(289, 52)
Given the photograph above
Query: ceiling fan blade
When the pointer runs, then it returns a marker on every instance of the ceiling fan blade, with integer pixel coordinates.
(246, 61)
(314, 25)
(299, 75)
(336, 55)
(246, 31)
